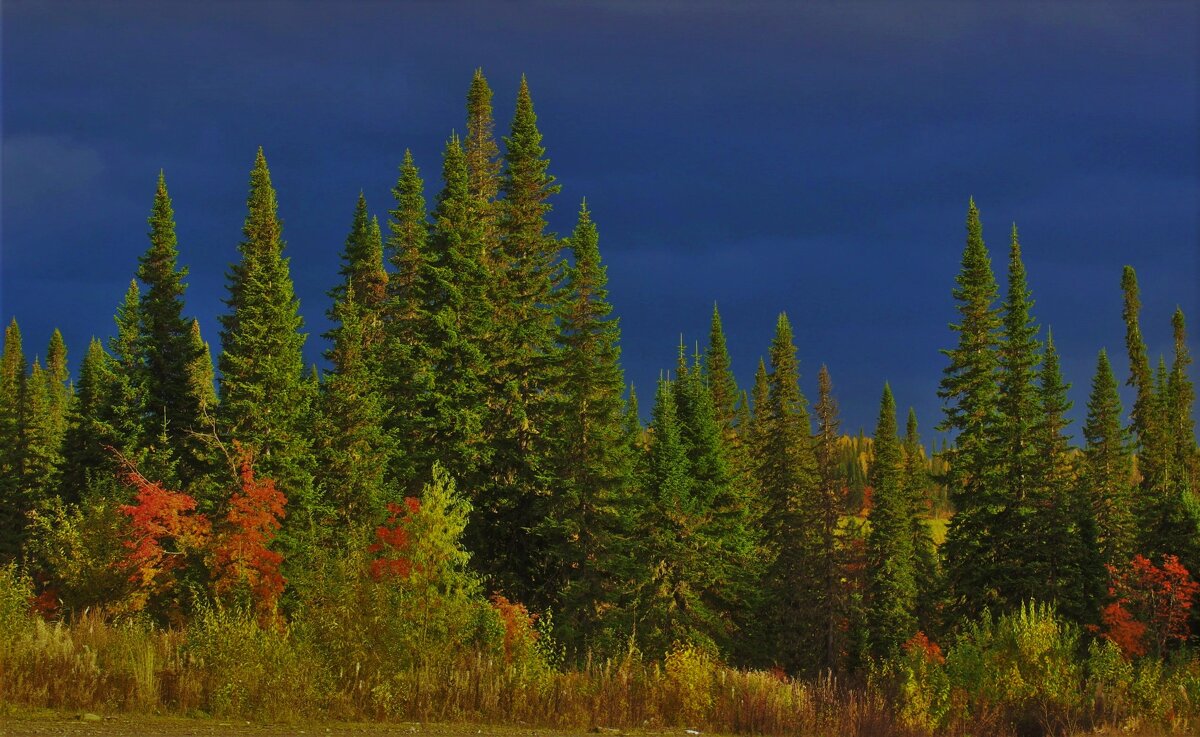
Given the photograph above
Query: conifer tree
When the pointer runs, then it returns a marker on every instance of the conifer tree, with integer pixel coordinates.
(484, 167)
(1017, 459)
(201, 379)
(127, 414)
(354, 447)
(41, 441)
(1107, 472)
(1185, 457)
(59, 392)
(831, 604)
(266, 403)
(720, 379)
(1063, 533)
(523, 344)
(12, 397)
(1141, 379)
(892, 585)
(914, 482)
(88, 434)
(787, 474)
(409, 368)
(594, 461)
(166, 341)
(969, 389)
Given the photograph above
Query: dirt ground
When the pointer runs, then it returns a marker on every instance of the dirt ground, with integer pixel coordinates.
(57, 724)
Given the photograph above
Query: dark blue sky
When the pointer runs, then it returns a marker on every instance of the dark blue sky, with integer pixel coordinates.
(811, 158)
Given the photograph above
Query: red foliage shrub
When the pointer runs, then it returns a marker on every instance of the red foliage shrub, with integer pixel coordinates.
(241, 555)
(392, 542)
(163, 528)
(519, 634)
(1150, 605)
(930, 649)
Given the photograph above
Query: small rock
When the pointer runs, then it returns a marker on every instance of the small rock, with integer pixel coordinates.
(89, 717)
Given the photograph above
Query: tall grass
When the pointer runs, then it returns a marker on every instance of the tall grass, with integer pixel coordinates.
(225, 663)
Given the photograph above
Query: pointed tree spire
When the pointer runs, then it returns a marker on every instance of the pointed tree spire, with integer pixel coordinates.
(891, 618)
(265, 400)
(1107, 472)
(831, 602)
(483, 165)
(13, 382)
(1185, 456)
(969, 390)
(720, 376)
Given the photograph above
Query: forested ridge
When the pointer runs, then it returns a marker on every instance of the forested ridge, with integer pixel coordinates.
(471, 477)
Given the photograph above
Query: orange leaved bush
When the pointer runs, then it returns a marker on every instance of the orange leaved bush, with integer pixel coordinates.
(242, 559)
(930, 650)
(164, 528)
(393, 541)
(519, 632)
(1150, 605)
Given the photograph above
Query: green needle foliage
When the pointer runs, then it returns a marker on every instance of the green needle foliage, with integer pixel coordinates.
(266, 404)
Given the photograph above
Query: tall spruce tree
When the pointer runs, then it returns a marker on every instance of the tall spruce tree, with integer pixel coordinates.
(1185, 457)
(201, 379)
(721, 382)
(523, 345)
(484, 167)
(41, 442)
(831, 602)
(1106, 476)
(60, 393)
(914, 484)
(409, 369)
(1066, 559)
(1017, 461)
(354, 447)
(594, 463)
(787, 475)
(13, 382)
(266, 404)
(166, 342)
(892, 586)
(969, 390)
(88, 436)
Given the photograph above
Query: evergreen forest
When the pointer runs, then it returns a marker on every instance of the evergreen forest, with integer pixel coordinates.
(465, 515)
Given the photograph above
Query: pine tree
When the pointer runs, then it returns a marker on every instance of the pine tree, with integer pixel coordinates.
(594, 462)
(831, 603)
(1067, 559)
(1017, 459)
(1140, 378)
(969, 388)
(787, 475)
(127, 414)
(914, 484)
(166, 341)
(12, 397)
(41, 442)
(60, 394)
(266, 403)
(1106, 476)
(88, 434)
(1185, 456)
(354, 447)
(720, 379)
(484, 166)
(201, 379)
(409, 368)
(523, 343)
(891, 613)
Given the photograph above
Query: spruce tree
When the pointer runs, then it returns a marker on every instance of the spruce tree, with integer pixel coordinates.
(166, 341)
(1106, 476)
(831, 603)
(1017, 460)
(1066, 559)
(41, 442)
(201, 379)
(969, 389)
(127, 413)
(12, 396)
(265, 402)
(60, 393)
(892, 586)
(354, 447)
(88, 435)
(594, 458)
(1185, 457)
(720, 379)
(484, 167)
(409, 369)
(787, 475)
(914, 484)
(523, 343)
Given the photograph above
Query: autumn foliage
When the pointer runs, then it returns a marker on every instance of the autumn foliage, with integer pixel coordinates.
(1150, 605)
(393, 541)
(164, 529)
(519, 632)
(242, 560)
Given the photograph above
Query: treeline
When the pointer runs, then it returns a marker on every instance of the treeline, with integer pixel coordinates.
(473, 349)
